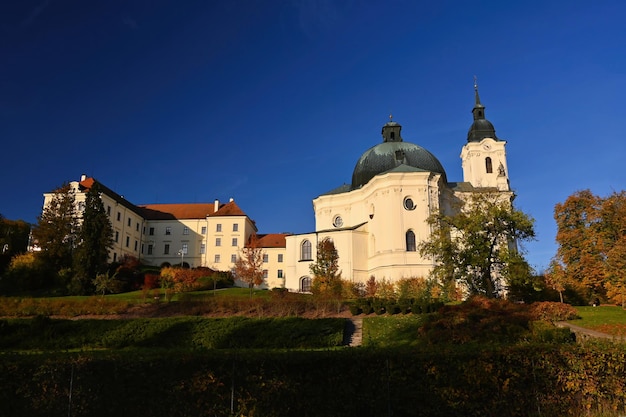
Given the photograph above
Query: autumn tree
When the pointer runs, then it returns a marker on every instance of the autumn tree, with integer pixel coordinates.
(591, 234)
(480, 245)
(325, 270)
(249, 265)
(94, 240)
(55, 232)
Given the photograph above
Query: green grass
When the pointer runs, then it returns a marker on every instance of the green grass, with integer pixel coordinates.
(388, 331)
(180, 333)
(607, 319)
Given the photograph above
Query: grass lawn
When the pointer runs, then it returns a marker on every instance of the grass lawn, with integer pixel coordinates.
(606, 319)
(387, 331)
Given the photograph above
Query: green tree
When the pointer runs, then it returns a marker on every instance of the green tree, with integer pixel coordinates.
(95, 238)
(480, 245)
(55, 232)
(325, 270)
(14, 235)
(249, 266)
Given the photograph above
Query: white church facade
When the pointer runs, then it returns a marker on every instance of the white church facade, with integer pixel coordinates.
(376, 222)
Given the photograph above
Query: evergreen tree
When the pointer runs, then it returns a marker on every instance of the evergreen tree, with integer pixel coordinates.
(479, 246)
(55, 232)
(95, 238)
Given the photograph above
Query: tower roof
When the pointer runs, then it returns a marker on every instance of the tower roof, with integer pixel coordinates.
(481, 128)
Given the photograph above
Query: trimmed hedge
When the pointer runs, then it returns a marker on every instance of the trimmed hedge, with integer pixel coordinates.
(568, 380)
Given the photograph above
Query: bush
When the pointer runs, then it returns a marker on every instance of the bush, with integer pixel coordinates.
(552, 311)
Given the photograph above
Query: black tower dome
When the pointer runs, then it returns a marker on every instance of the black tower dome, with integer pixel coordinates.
(481, 128)
(390, 154)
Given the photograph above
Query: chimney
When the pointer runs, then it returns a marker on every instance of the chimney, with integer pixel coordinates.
(217, 205)
(83, 177)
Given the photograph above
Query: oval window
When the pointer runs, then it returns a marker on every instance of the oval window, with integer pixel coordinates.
(409, 204)
(337, 221)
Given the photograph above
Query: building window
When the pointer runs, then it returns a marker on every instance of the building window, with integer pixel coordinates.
(265, 274)
(305, 251)
(337, 221)
(166, 249)
(202, 248)
(114, 257)
(488, 165)
(136, 245)
(117, 236)
(218, 227)
(266, 258)
(280, 257)
(280, 273)
(217, 259)
(185, 248)
(235, 227)
(119, 216)
(151, 231)
(305, 284)
(108, 210)
(408, 203)
(168, 230)
(185, 230)
(218, 241)
(234, 241)
(233, 258)
(137, 227)
(81, 206)
(410, 241)
(129, 221)
(203, 230)
(150, 249)
(127, 241)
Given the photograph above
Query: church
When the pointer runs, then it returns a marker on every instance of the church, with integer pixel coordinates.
(378, 220)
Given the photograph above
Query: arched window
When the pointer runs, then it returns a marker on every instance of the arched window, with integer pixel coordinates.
(410, 241)
(305, 251)
(305, 284)
(488, 165)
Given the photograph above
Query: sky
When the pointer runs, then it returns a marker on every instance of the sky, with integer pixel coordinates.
(272, 102)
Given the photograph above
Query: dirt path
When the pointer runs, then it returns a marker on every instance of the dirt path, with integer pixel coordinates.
(584, 334)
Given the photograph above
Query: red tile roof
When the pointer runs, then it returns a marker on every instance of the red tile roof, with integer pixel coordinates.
(273, 240)
(177, 211)
(170, 211)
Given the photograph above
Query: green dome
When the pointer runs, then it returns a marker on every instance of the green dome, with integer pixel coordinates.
(390, 154)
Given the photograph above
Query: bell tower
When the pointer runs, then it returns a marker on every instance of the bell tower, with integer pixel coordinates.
(484, 155)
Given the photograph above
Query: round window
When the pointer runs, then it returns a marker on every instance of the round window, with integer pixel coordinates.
(337, 221)
(409, 204)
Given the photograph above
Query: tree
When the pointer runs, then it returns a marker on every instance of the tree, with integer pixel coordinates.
(325, 270)
(591, 233)
(14, 235)
(249, 266)
(55, 232)
(480, 245)
(95, 238)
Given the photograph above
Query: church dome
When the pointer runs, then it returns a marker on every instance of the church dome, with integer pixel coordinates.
(390, 154)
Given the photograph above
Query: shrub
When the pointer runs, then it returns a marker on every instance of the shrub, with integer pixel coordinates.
(552, 311)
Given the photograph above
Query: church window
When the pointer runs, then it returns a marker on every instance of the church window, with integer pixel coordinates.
(392, 135)
(410, 241)
(409, 204)
(305, 284)
(488, 165)
(337, 221)
(305, 251)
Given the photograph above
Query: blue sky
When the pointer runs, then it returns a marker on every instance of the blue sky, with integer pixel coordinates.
(272, 102)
